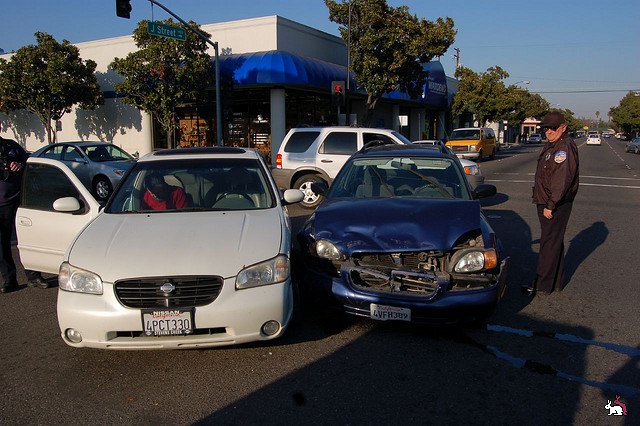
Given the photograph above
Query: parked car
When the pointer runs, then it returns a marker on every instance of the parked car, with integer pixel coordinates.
(534, 138)
(594, 139)
(316, 154)
(633, 146)
(211, 268)
(471, 169)
(98, 165)
(401, 236)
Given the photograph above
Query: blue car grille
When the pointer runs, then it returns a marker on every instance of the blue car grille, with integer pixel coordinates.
(168, 292)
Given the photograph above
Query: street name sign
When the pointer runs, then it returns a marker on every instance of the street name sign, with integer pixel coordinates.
(167, 31)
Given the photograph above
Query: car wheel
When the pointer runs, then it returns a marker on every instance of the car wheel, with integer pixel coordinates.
(102, 188)
(480, 157)
(311, 199)
(637, 150)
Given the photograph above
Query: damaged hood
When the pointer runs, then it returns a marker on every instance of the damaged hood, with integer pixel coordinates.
(395, 224)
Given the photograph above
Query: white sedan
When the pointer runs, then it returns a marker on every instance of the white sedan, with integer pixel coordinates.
(594, 139)
(192, 250)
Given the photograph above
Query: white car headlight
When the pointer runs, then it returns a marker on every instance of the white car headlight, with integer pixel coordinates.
(326, 250)
(272, 271)
(472, 170)
(472, 147)
(75, 279)
(477, 260)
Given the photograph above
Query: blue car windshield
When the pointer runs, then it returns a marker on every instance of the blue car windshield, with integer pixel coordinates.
(390, 177)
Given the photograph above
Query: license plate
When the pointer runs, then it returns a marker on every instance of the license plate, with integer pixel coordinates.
(385, 313)
(167, 322)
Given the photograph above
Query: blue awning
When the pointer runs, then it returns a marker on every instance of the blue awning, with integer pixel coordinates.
(282, 68)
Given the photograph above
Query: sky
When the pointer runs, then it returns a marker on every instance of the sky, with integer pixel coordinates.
(583, 55)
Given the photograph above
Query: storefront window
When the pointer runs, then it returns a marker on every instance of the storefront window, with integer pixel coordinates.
(306, 109)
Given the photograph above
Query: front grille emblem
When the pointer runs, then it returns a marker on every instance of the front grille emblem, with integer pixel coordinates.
(167, 288)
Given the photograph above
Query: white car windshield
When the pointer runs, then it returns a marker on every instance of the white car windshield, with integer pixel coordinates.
(196, 184)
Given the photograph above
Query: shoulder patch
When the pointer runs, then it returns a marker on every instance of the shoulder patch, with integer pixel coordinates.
(560, 156)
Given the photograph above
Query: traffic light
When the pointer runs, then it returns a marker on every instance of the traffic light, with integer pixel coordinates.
(337, 93)
(123, 8)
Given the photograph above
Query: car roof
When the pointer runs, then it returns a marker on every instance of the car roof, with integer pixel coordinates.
(201, 152)
(403, 150)
(321, 128)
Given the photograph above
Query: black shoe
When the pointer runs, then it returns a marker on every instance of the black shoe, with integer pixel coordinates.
(8, 288)
(528, 290)
(38, 282)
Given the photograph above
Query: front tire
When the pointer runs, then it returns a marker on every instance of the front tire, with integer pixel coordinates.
(311, 199)
(102, 188)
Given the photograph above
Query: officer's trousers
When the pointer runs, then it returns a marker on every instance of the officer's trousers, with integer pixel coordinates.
(551, 258)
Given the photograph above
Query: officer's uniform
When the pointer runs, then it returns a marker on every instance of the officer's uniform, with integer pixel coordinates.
(555, 187)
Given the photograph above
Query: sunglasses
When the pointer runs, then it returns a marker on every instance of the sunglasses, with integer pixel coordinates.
(552, 128)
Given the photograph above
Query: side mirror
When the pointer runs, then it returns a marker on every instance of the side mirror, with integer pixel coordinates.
(66, 205)
(292, 196)
(484, 190)
(320, 188)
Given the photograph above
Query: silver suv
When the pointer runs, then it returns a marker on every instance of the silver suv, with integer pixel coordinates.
(316, 154)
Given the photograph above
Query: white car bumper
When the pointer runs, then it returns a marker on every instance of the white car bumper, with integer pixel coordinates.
(234, 317)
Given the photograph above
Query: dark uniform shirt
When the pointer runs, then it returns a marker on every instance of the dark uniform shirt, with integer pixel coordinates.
(10, 181)
(556, 180)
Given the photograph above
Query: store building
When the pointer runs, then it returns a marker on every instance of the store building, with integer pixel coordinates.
(278, 75)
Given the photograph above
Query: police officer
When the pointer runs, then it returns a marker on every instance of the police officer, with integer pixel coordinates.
(555, 187)
(12, 160)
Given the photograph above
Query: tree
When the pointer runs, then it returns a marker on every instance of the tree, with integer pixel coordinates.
(627, 114)
(483, 94)
(388, 46)
(164, 74)
(48, 79)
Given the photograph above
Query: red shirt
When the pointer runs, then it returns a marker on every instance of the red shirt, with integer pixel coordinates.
(178, 200)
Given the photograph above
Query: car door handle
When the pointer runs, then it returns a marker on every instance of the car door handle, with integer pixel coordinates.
(24, 221)
(326, 161)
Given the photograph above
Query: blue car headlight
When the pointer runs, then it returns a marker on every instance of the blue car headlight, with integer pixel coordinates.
(326, 250)
(475, 260)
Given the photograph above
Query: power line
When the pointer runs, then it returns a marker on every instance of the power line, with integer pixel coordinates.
(585, 91)
(574, 80)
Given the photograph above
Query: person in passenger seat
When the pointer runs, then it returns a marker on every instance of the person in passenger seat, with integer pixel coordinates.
(161, 196)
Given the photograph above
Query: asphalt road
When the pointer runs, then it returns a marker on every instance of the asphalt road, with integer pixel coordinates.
(550, 360)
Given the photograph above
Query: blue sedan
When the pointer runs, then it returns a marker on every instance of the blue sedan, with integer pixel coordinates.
(401, 236)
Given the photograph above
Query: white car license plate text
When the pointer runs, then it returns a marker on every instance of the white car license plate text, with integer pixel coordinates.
(384, 313)
(167, 323)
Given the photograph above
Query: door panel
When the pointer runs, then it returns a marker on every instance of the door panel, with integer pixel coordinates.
(335, 150)
(43, 233)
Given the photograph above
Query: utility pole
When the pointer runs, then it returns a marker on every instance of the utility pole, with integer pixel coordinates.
(457, 56)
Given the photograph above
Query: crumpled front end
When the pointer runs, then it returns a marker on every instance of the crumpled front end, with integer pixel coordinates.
(462, 284)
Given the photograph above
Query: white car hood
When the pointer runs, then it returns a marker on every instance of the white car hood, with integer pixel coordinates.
(119, 246)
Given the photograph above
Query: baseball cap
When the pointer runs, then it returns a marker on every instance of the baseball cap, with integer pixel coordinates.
(553, 119)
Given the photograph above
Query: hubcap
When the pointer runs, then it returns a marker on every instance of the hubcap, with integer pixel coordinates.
(310, 197)
(102, 189)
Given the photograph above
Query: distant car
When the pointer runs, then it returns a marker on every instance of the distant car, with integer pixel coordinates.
(471, 169)
(633, 146)
(606, 135)
(534, 138)
(401, 236)
(594, 139)
(99, 165)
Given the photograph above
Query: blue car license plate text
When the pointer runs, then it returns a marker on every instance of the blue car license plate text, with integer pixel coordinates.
(384, 313)
(167, 322)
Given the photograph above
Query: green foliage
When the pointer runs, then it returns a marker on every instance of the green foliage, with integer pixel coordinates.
(48, 79)
(484, 94)
(388, 45)
(520, 104)
(627, 114)
(164, 73)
